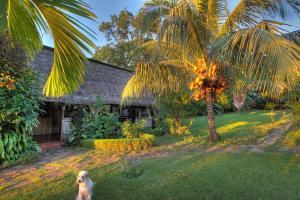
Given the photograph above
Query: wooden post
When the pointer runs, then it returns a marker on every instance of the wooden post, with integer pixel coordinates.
(61, 121)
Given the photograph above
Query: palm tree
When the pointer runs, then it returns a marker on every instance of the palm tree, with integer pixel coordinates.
(26, 20)
(200, 42)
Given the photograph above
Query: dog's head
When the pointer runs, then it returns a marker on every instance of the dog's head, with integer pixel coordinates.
(82, 177)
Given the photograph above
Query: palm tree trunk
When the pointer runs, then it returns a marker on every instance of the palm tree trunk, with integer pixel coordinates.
(210, 115)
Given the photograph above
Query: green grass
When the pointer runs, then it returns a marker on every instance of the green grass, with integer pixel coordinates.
(233, 128)
(184, 174)
(292, 138)
(215, 176)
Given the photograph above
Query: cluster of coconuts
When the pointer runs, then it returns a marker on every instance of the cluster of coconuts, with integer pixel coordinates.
(206, 80)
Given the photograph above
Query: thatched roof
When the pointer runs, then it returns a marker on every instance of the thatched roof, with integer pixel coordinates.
(101, 80)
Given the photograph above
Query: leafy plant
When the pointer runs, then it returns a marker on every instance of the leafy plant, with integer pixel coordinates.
(131, 168)
(19, 110)
(95, 123)
(131, 129)
(177, 128)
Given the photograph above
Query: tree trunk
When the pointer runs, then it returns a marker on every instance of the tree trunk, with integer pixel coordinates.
(210, 115)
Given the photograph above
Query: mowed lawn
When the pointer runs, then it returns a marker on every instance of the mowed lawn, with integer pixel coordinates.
(190, 175)
(234, 128)
(215, 176)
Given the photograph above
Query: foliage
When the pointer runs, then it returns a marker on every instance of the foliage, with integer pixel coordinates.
(173, 108)
(225, 101)
(175, 105)
(132, 167)
(76, 133)
(123, 35)
(120, 54)
(295, 107)
(120, 145)
(202, 109)
(99, 126)
(19, 108)
(12, 145)
(176, 127)
(76, 136)
(131, 129)
(97, 123)
(27, 157)
(27, 21)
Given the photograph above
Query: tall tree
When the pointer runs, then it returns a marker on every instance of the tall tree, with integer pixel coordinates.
(199, 40)
(123, 35)
(26, 20)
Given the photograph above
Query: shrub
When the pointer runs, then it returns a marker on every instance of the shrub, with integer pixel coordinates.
(76, 136)
(97, 123)
(124, 144)
(19, 110)
(99, 126)
(132, 129)
(131, 168)
(176, 127)
(13, 146)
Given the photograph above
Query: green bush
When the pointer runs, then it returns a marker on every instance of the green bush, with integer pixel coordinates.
(96, 123)
(120, 145)
(132, 129)
(177, 127)
(99, 126)
(19, 111)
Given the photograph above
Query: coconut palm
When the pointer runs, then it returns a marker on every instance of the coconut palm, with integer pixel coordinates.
(26, 20)
(200, 40)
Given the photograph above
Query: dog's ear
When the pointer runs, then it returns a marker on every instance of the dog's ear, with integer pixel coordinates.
(87, 173)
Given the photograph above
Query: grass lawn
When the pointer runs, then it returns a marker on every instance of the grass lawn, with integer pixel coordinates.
(185, 174)
(193, 176)
(243, 128)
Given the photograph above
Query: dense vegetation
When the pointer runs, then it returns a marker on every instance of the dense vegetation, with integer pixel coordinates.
(20, 108)
(19, 103)
(95, 122)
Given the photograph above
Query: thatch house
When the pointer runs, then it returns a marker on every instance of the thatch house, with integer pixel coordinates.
(102, 80)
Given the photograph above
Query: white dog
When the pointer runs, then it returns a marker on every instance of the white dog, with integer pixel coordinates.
(85, 186)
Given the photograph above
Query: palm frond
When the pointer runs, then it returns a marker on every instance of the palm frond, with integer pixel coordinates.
(24, 24)
(155, 79)
(27, 20)
(261, 55)
(249, 12)
(217, 13)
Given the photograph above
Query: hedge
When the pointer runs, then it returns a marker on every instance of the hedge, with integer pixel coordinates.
(144, 142)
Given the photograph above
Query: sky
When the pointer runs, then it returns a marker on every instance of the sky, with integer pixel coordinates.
(105, 8)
